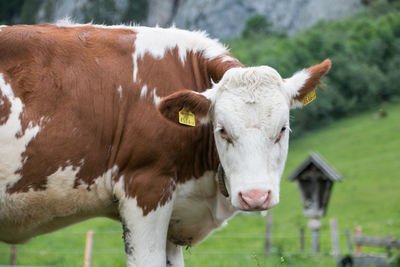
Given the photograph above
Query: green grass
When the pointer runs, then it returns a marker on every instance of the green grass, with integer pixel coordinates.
(364, 150)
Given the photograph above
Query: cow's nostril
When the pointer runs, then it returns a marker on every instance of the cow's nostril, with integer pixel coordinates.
(255, 199)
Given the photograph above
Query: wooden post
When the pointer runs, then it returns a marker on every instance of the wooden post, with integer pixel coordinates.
(388, 247)
(268, 234)
(358, 232)
(13, 256)
(314, 224)
(88, 249)
(315, 241)
(335, 238)
(349, 242)
(302, 239)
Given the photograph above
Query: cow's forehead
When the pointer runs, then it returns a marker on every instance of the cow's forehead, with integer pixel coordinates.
(252, 97)
(269, 114)
(251, 84)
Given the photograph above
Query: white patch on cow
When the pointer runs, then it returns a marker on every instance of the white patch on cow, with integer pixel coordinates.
(199, 209)
(147, 234)
(252, 106)
(2, 26)
(293, 84)
(153, 94)
(12, 147)
(157, 41)
(135, 66)
(174, 255)
(156, 98)
(5, 88)
(32, 213)
(143, 92)
(120, 91)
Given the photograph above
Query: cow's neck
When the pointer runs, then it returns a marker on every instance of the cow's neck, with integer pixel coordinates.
(200, 154)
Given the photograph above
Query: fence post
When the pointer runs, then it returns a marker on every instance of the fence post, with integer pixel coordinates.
(268, 234)
(358, 232)
(88, 249)
(335, 238)
(349, 242)
(314, 224)
(302, 239)
(388, 248)
(13, 256)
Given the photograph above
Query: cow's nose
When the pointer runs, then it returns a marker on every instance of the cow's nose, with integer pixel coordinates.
(255, 199)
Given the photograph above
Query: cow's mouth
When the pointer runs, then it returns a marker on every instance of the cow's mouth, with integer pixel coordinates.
(221, 181)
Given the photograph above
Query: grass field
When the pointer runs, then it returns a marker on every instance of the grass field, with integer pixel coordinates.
(364, 150)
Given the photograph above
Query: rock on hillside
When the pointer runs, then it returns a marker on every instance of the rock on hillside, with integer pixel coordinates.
(109, 12)
(226, 18)
(220, 18)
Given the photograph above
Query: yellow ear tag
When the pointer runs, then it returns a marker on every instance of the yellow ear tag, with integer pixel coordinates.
(308, 98)
(186, 118)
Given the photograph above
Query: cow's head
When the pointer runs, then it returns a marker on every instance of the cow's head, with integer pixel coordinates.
(249, 111)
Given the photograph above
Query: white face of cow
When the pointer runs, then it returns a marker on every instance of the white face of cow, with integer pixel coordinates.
(250, 116)
(249, 111)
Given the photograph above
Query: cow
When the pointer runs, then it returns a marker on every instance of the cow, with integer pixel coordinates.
(160, 129)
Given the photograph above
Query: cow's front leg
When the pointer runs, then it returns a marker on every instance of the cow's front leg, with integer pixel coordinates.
(174, 255)
(145, 233)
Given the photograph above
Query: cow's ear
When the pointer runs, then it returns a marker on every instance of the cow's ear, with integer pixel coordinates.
(185, 107)
(301, 86)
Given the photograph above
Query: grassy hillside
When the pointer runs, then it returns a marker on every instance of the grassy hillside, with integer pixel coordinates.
(364, 150)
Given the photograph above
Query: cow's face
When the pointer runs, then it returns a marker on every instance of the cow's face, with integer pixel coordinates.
(250, 116)
(249, 111)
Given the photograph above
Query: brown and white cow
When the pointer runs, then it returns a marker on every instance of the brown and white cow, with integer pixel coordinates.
(89, 127)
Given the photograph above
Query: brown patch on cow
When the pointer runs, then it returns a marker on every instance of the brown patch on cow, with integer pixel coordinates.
(68, 78)
(217, 67)
(170, 106)
(316, 73)
(163, 155)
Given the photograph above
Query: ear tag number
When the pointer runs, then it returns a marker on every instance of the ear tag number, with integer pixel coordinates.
(308, 98)
(186, 118)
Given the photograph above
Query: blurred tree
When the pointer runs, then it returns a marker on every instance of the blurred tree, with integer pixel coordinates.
(99, 11)
(29, 11)
(10, 11)
(103, 11)
(136, 12)
(364, 49)
(257, 24)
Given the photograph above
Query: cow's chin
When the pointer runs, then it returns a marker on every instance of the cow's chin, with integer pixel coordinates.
(253, 209)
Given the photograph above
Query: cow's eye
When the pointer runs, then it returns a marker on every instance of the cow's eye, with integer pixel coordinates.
(283, 129)
(223, 133)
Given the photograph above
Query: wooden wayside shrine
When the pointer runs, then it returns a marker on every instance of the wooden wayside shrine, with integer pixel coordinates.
(314, 179)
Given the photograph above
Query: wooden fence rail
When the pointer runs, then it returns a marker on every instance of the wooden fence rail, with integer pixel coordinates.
(377, 241)
(361, 260)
